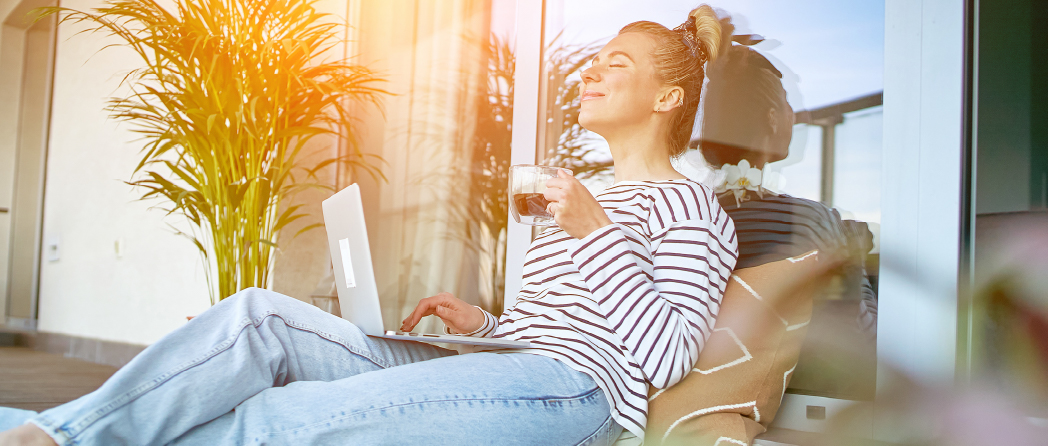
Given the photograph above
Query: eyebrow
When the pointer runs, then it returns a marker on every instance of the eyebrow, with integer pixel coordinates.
(613, 54)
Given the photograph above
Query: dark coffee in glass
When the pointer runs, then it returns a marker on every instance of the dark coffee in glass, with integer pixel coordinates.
(526, 184)
(531, 205)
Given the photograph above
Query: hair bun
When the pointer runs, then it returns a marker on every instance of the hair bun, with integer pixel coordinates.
(707, 31)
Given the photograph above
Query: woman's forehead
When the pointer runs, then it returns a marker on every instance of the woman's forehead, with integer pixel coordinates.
(632, 44)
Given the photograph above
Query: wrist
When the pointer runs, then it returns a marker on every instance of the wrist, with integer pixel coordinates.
(481, 319)
(597, 226)
(478, 323)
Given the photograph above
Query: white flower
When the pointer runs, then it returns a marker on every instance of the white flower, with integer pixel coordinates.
(739, 179)
(773, 181)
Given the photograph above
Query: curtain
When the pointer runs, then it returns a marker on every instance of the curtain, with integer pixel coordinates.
(433, 55)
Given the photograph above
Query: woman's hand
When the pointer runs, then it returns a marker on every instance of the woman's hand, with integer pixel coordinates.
(573, 206)
(459, 316)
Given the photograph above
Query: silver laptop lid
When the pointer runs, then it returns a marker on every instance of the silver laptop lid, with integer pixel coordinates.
(351, 260)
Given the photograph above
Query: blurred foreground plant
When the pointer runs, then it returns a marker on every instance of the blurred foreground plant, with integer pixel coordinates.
(1000, 396)
(230, 93)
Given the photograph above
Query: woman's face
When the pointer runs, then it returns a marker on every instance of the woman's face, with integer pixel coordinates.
(620, 89)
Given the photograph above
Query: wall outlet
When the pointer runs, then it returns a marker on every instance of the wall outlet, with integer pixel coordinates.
(816, 412)
(52, 249)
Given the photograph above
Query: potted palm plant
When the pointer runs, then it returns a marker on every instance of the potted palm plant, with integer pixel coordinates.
(228, 95)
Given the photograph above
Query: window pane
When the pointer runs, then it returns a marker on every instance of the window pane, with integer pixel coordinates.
(857, 165)
(800, 174)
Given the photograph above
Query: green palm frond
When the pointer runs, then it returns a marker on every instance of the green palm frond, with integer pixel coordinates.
(229, 94)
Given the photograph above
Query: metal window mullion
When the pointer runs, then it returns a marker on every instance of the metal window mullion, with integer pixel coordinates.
(917, 331)
(829, 147)
(524, 142)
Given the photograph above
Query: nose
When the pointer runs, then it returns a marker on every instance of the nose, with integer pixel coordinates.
(591, 74)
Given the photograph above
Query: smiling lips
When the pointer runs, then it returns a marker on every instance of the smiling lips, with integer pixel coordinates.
(587, 95)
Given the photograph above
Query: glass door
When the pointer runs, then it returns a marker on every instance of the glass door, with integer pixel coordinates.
(26, 67)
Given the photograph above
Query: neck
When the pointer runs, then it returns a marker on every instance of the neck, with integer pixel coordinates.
(764, 151)
(642, 154)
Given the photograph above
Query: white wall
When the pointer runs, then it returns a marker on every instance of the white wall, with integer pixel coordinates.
(148, 291)
(90, 291)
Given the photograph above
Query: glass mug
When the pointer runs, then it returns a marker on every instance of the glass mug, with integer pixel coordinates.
(526, 184)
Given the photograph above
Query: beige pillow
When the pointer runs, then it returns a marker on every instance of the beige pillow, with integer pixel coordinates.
(735, 389)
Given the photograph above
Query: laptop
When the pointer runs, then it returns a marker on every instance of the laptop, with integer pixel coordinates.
(355, 278)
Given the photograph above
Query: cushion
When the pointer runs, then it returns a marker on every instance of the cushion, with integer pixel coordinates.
(735, 389)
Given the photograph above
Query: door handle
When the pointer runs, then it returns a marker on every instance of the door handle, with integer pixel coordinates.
(3, 210)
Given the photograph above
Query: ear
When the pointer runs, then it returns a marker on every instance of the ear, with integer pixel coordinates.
(773, 121)
(669, 99)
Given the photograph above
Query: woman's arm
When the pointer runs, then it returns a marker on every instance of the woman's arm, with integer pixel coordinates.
(665, 319)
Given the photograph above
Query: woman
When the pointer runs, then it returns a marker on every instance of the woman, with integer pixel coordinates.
(620, 296)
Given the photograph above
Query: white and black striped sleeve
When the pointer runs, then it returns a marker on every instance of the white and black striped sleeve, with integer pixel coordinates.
(491, 323)
(663, 319)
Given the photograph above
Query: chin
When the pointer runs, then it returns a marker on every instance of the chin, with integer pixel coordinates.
(592, 123)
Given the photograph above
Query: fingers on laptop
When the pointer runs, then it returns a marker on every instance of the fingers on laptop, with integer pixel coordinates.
(427, 307)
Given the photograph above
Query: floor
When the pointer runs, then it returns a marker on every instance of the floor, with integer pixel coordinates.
(37, 381)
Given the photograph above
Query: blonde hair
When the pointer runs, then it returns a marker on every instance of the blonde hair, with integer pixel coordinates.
(677, 65)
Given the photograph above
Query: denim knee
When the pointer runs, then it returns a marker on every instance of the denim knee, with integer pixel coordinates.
(253, 302)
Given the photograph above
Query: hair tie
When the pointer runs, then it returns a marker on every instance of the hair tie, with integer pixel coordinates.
(687, 35)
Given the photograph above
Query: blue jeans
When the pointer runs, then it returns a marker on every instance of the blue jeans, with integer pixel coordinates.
(263, 368)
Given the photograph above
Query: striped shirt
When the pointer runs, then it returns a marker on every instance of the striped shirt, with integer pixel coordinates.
(631, 304)
(775, 227)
